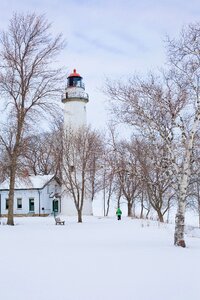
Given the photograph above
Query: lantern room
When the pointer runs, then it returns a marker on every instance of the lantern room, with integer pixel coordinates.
(75, 80)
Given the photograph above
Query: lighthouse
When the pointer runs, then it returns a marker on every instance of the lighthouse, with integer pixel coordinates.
(74, 99)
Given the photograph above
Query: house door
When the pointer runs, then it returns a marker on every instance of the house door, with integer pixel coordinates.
(55, 205)
(31, 205)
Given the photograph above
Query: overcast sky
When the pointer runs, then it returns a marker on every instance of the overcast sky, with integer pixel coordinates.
(109, 38)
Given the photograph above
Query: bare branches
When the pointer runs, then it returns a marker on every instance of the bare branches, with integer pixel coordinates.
(166, 109)
(27, 50)
(81, 161)
(28, 81)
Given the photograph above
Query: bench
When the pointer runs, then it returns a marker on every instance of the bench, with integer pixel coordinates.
(59, 222)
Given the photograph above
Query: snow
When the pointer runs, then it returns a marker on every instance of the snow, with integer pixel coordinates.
(30, 182)
(100, 259)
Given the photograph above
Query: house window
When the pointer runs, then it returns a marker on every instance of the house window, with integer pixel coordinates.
(19, 203)
(31, 205)
(6, 203)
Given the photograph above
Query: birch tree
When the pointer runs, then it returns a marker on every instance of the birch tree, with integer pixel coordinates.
(28, 82)
(184, 56)
(167, 107)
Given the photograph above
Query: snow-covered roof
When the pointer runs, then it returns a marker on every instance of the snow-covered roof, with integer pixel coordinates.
(29, 182)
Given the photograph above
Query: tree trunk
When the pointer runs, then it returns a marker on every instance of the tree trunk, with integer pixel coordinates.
(133, 209)
(179, 229)
(160, 216)
(79, 216)
(13, 168)
(148, 211)
(118, 199)
(142, 207)
(108, 198)
(130, 212)
(168, 211)
(141, 212)
(108, 206)
(10, 220)
(186, 171)
(180, 216)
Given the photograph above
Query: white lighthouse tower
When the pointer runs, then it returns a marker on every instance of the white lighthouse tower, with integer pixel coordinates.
(74, 99)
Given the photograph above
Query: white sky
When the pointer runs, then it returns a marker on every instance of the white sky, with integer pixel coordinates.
(109, 38)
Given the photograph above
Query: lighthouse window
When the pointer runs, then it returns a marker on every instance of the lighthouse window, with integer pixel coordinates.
(74, 81)
(78, 83)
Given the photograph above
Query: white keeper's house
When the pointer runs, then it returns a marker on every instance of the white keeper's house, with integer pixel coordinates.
(34, 195)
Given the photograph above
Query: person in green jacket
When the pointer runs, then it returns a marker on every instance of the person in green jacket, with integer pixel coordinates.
(119, 214)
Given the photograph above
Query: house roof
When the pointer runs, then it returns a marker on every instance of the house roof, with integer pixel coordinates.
(29, 182)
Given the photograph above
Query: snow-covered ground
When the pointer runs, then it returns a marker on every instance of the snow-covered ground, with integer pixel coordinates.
(101, 259)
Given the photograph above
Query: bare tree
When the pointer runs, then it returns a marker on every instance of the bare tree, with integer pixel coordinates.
(156, 177)
(127, 174)
(167, 107)
(108, 177)
(184, 56)
(80, 147)
(28, 82)
(107, 171)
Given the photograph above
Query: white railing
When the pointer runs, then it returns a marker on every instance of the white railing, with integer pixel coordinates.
(75, 94)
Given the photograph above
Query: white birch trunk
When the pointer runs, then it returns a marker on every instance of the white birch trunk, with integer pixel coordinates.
(183, 185)
(180, 215)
